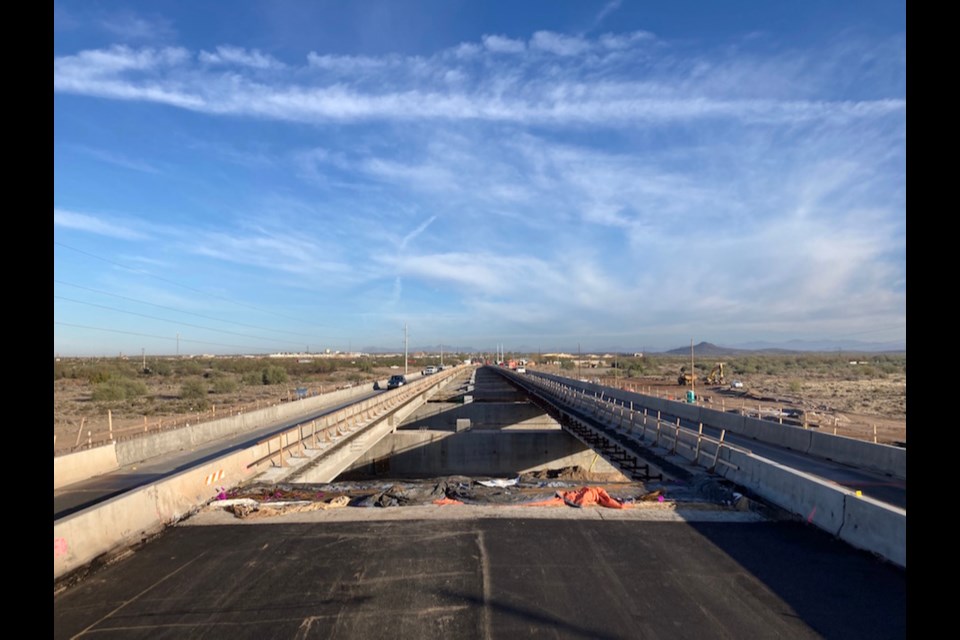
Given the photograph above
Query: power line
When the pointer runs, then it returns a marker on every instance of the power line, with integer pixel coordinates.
(191, 313)
(176, 322)
(177, 284)
(147, 335)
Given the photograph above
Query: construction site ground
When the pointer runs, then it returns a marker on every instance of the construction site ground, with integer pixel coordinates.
(852, 408)
(861, 409)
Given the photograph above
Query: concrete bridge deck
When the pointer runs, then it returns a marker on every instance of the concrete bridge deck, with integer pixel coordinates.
(489, 572)
(464, 572)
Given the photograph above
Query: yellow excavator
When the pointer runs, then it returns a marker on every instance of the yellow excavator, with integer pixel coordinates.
(716, 374)
(714, 377)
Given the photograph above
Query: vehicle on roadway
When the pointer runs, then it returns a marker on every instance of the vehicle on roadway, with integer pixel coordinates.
(430, 370)
(396, 381)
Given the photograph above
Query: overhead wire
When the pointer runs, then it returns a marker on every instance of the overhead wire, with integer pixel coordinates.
(191, 313)
(148, 335)
(177, 322)
(178, 284)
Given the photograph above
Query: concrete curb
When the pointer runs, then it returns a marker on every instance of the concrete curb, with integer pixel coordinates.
(75, 467)
(120, 522)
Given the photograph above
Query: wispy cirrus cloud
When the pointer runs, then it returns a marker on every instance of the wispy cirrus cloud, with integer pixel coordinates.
(559, 44)
(607, 9)
(407, 239)
(280, 237)
(131, 26)
(503, 44)
(93, 224)
(226, 55)
(557, 184)
(611, 81)
(118, 159)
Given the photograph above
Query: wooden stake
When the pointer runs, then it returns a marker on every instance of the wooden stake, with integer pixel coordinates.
(696, 458)
(80, 432)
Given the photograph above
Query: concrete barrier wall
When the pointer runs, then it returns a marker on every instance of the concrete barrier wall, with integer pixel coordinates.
(75, 467)
(732, 422)
(138, 449)
(859, 453)
(818, 502)
(858, 520)
(125, 520)
(751, 428)
(682, 410)
(783, 435)
(157, 444)
(874, 526)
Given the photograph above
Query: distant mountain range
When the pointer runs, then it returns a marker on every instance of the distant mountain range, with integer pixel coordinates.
(701, 349)
(793, 346)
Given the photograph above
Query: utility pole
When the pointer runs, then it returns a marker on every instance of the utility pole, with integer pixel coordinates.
(143, 354)
(441, 354)
(178, 344)
(693, 372)
(404, 348)
(579, 361)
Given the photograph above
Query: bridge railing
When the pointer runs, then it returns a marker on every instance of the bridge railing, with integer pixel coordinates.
(329, 430)
(864, 522)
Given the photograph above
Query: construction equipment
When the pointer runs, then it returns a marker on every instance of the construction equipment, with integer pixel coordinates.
(684, 378)
(716, 374)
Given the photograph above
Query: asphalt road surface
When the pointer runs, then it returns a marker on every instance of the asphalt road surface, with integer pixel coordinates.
(489, 578)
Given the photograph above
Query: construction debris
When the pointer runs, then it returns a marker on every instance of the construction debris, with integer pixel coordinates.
(246, 510)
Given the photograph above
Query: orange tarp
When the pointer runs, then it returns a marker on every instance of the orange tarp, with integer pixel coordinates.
(588, 496)
(584, 497)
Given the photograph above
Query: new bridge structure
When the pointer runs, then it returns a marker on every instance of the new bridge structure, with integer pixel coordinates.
(775, 530)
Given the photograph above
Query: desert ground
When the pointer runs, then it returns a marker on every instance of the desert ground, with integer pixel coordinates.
(91, 396)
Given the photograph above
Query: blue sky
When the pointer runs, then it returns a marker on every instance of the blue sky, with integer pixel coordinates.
(280, 176)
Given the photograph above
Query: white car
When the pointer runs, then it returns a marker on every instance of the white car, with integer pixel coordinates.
(429, 370)
(521, 369)
(736, 384)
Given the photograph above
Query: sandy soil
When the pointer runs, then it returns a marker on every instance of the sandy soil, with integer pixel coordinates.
(78, 420)
(851, 408)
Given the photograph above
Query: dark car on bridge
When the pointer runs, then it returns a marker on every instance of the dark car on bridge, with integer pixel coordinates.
(396, 381)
